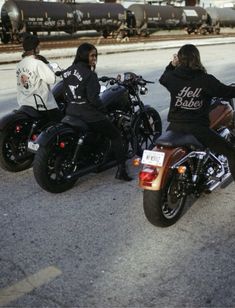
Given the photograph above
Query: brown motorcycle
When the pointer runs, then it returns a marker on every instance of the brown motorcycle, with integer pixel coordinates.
(179, 166)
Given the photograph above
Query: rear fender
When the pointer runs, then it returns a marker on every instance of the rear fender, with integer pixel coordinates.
(51, 132)
(12, 117)
(172, 155)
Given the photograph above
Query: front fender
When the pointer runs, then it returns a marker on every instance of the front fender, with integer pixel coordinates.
(146, 107)
(10, 118)
(172, 155)
(51, 132)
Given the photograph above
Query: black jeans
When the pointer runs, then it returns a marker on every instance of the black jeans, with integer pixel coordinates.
(107, 129)
(210, 139)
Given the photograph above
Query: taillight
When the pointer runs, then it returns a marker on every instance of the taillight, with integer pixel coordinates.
(62, 145)
(148, 175)
(34, 137)
(18, 128)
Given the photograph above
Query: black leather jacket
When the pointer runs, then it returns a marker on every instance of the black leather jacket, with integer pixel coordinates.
(191, 92)
(82, 90)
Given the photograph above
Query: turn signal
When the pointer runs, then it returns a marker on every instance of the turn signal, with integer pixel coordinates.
(181, 169)
(136, 162)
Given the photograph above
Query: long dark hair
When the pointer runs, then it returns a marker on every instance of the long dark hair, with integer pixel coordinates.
(189, 56)
(83, 51)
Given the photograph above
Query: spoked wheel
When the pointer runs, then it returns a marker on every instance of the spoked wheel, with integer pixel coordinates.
(14, 155)
(164, 207)
(53, 165)
(147, 128)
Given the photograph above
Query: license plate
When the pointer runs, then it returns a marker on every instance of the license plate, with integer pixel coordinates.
(33, 146)
(153, 158)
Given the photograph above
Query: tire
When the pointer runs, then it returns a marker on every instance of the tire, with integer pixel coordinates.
(145, 137)
(14, 155)
(52, 164)
(163, 208)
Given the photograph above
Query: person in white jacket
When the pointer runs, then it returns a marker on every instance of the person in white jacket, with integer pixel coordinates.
(34, 78)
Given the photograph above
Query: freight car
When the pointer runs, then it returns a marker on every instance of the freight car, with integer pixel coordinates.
(32, 16)
(148, 18)
(19, 16)
(223, 17)
(36, 16)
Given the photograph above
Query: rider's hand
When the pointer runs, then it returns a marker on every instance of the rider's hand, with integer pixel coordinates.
(58, 73)
(175, 60)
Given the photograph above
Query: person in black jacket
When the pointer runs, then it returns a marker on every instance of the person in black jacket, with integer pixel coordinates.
(191, 90)
(82, 90)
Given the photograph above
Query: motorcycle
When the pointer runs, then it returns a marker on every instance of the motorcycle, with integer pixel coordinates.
(70, 149)
(19, 129)
(179, 166)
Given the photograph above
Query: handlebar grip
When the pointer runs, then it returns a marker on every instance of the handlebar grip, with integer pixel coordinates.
(104, 78)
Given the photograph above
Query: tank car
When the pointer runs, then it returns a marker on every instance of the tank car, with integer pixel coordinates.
(104, 17)
(35, 16)
(196, 19)
(20, 16)
(223, 17)
(148, 18)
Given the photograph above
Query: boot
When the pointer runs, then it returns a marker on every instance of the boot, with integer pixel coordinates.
(122, 173)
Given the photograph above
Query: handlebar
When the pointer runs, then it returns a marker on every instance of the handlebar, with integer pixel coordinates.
(128, 78)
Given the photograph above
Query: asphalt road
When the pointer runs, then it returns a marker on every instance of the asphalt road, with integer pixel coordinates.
(92, 245)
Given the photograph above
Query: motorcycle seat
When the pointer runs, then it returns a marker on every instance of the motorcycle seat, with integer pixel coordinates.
(175, 139)
(75, 122)
(30, 111)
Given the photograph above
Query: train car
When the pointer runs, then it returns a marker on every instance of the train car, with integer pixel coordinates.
(223, 17)
(148, 18)
(196, 19)
(35, 16)
(20, 16)
(104, 17)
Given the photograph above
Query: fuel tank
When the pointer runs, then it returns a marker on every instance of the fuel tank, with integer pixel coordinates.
(116, 98)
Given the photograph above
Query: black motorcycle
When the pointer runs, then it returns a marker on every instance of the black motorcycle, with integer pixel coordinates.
(20, 128)
(70, 149)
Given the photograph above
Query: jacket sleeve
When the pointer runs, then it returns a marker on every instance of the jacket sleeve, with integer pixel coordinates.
(163, 78)
(45, 73)
(218, 89)
(93, 91)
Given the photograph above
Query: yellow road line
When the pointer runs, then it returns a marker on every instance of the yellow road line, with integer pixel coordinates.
(26, 285)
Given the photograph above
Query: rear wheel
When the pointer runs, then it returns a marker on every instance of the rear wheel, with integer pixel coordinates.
(14, 155)
(53, 165)
(164, 207)
(147, 128)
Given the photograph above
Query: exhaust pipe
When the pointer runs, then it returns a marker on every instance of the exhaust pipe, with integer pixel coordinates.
(92, 168)
(223, 183)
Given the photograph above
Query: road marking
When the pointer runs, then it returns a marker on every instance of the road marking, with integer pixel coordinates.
(28, 284)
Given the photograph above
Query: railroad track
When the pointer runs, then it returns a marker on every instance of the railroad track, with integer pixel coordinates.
(75, 42)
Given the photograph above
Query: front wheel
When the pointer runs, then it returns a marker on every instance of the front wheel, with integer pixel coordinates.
(54, 165)
(164, 207)
(147, 128)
